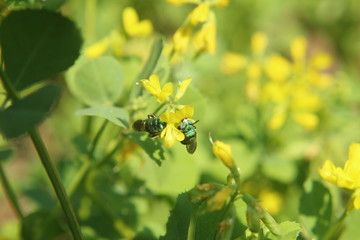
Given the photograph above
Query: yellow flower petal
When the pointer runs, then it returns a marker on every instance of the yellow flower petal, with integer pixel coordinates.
(170, 117)
(205, 39)
(308, 120)
(352, 165)
(133, 26)
(97, 49)
(223, 152)
(258, 43)
(222, 3)
(231, 63)
(152, 85)
(171, 134)
(357, 202)
(328, 172)
(200, 14)
(166, 91)
(181, 39)
(217, 201)
(298, 48)
(278, 118)
(179, 2)
(321, 61)
(253, 71)
(272, 201)
(277, 68)
(185, 112)
(182, 88)
(116, 41)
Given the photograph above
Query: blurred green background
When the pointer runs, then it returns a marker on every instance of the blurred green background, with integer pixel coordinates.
(133, 188)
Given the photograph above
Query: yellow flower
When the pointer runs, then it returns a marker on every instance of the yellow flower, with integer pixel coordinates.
(179, 2)
(272, 201)
(152, 85)
(97, 49)
(258, 43)
(349, 177)
(321, 61)
(308, 120)
(278, 118)
(205, 38)
(181, 39)
(223, 152)
(171, 133)
(231, 63)
(253, 71)
(217, 201)
(132, 25)
(200, 14)
(222, 3)
(298, 48)
(182, 88)
(114, 40)
(277, 68)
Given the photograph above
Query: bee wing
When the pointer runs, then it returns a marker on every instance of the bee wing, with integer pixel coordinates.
(191, 147)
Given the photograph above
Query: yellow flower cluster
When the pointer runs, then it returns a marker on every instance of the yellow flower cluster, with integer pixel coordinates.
(133, 27)
(347, 177)
(199, 28)
(176, 113)
(293, 87)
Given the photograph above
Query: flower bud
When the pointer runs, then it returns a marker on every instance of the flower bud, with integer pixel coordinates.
(223, 152)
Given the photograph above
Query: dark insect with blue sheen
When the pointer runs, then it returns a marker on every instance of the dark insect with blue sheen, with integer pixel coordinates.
(152, 125)
(187, 127)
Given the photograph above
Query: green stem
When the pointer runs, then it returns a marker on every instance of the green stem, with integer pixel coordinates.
(56, 183)
(111, 153)
(48, 165)
(158, 108)
(334, 229)
(97, 138)
(8, 86)
(10, 194)
(79, 177)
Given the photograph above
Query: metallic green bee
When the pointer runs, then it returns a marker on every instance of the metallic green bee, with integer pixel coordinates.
(187, 127)
(152, 125)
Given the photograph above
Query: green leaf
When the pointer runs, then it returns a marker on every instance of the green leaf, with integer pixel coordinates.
(42, 225)
(151, 146)
(28, 112)
(118, 116)
(316, 208)
(97, 81)
(290, 231)
(5, 154)
(37, 44)
(178, 224)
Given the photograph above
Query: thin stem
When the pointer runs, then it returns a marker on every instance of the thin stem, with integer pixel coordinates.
(10, 194)
(8, 86)
(97, 138)
(79, 177)
(159, 108)
(111, 153)
(56, 183)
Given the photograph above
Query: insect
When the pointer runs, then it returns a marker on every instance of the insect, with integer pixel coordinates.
(187, 127)
(152, 125)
